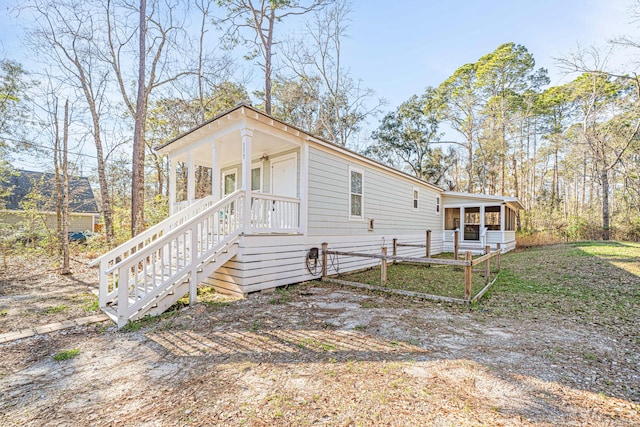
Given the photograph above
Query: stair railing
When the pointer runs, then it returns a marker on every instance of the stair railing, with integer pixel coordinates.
(169, 258)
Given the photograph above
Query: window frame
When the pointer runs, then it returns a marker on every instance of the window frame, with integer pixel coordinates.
(224, 173)
(416, 199)
(438, 205)
(257, 165)
(350, 193)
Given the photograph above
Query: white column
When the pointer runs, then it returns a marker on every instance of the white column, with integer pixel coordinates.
(502, 227)
(247, 136)
(191, 180)
(461, 223)
(172, 186)
(216, 185)
(304, 187)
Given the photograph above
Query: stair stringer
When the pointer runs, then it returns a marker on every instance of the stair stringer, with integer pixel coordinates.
(180, 287)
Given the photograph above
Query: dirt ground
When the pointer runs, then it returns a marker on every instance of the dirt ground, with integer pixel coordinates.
(315, 354)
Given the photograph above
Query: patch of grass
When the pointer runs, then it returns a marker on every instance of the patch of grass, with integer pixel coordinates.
(55, 309)
(4, 312)
(256, 326)
(360, 327)
(589, 282)
(441, 280)
(283, 296)
(91, 306)
(66, 355)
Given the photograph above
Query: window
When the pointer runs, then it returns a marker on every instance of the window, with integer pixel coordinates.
(229, 182)
(437, 204)
(416, 196)
(451, 218)
(510, 217)
(472, 223)
(256, 178)
(355, 193)
(492, 217)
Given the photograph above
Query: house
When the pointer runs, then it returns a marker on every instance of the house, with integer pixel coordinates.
(276, 193)
(39, 189)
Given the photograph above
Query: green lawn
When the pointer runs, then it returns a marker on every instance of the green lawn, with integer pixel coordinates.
(591, 282)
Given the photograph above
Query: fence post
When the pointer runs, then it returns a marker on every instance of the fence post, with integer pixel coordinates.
(498, 258)
(428, 254)
(456, 243)
(487, 264)
(467, 275)
(325, 246)
(383, 267)
(395, 248)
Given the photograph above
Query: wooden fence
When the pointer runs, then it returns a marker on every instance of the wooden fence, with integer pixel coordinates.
(467, 264)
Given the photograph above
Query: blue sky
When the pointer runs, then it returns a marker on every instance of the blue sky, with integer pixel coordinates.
(399, 48)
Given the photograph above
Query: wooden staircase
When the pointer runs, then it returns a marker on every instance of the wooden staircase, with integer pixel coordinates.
(149, 273)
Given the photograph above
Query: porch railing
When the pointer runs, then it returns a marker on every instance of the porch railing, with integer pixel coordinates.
(271, 213)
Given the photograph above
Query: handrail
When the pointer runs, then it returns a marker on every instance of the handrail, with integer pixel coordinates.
(264, 196)
(177, 230)
(163, 225)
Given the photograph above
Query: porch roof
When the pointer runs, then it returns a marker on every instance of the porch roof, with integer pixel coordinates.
(486, 198)
(197, 132)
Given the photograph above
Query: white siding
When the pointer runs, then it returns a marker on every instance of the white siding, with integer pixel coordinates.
(387, 198)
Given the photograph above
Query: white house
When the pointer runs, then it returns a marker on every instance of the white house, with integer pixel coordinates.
(275, 193)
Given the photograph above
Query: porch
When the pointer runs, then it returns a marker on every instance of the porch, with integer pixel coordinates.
(263, 166)
(480, 221)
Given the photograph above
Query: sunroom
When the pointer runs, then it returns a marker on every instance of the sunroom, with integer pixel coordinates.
(480, 220)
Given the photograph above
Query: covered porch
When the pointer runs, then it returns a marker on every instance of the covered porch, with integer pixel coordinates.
(218, 161)
(480, 221)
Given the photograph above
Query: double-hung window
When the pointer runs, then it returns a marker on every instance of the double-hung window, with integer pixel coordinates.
(416, 198)
(356, 201)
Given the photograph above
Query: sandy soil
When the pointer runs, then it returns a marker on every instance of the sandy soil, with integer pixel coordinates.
(317, 354)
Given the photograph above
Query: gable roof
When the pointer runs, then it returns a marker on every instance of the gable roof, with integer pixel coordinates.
(310, 137)
(81, 198)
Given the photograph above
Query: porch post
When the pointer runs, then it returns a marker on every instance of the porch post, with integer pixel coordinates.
(502, 227)
(172, 186)
(191, 180)
(215, 171)
(247, 136)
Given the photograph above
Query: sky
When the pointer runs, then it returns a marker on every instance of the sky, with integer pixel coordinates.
(398, 48)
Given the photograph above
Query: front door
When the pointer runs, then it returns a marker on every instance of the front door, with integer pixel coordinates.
(284, 176)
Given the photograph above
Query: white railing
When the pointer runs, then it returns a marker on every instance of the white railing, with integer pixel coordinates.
(271, 213)
(143, 239)
(134, 282)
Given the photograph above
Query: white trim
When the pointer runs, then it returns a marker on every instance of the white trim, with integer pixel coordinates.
(438, 205)
(415, 198)
(304, 188)
(361, 172)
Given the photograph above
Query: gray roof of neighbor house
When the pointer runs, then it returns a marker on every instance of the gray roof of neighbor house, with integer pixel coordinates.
(81, 199)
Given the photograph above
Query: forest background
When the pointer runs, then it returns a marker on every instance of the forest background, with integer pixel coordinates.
(77, 97)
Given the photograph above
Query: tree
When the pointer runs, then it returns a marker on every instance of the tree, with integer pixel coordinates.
(503, 76)
(608, 127)
(253, 24)
(461, 105)
(340, 104)
(405, 137)
(69, 32)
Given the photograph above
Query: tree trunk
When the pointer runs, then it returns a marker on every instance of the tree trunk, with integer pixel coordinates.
(137, 181)
(65, 192)
(267, 63)
(604, 177)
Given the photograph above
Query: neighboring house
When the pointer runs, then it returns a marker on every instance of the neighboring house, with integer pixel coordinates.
(39, 189)
(278, 192)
